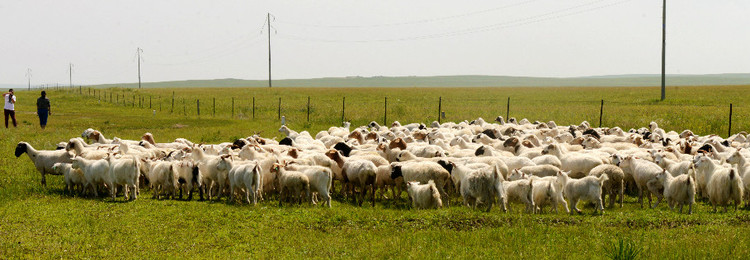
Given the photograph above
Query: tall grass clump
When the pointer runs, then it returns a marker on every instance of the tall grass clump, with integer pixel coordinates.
(623, 250)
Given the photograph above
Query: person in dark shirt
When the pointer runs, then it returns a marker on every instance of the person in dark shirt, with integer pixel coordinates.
(43, 109)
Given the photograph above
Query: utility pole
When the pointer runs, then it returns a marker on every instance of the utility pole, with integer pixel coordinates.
(139, 51)
(70, 69)
(268, 21)
(28, 76)
(663, 48)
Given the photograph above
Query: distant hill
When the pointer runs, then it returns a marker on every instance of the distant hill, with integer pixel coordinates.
(5, 87)
(464, 81)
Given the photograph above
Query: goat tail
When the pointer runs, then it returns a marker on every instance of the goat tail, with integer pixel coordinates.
(497, 174)
(530, 195)
(735, 184)
(603, 178)
(330, 180)
(256, 178)
(690, 187)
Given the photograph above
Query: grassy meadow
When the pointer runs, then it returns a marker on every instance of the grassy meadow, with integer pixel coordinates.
(39, 222)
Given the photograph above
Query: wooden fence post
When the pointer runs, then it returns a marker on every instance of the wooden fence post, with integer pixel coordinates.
(308, 108)
(440, 108)
(507, 111)
(253, 107)
(601, 111)
(232, 107)
(198, 105)
(279, 108)
(343, 109)
(730, 121)
(385, 111)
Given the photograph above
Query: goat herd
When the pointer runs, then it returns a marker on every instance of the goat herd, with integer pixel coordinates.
(534, 164)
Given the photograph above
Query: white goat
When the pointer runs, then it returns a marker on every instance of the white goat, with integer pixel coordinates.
(676, 168)
(678, 190)
(211, 174)
(424, 196)
(744, 168)
(644, 173)
(544, 194)
(77, 145)
(422, 172)
(723, 185)
(360, 172)
(73, 177)
(577, 164)
(481, 186)
(615, 184)
(161, 177)
(540, 170)
(521, 191)
(244, 176)
(125, 172)
(321, 180)
(96, 172)
(588, 188)
(547, 159)
(293, 182)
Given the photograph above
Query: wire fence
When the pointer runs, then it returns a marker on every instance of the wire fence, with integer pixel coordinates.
(361, 109)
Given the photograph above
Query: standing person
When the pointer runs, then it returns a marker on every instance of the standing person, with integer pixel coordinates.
(10, 107)
(43, 109)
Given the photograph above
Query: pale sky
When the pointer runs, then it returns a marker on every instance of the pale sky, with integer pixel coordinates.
(222, 39)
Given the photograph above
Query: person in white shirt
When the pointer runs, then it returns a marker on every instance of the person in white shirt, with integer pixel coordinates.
(10, 107)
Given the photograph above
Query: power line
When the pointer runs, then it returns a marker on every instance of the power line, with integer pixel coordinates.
(217, 54)
(413, 22)
(226, 49)
(239, 40)
(515, 23)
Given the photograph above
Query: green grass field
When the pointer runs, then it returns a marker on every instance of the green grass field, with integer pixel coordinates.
(38, 222)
